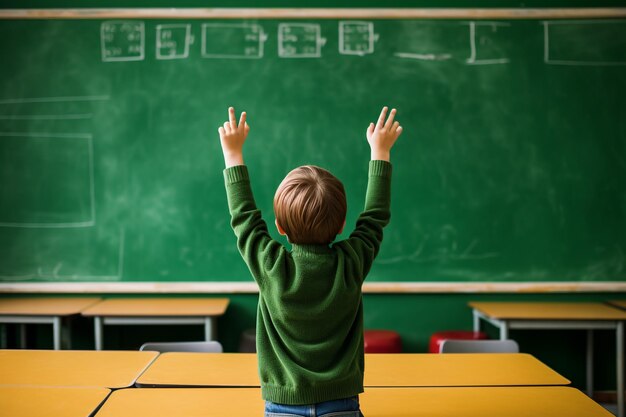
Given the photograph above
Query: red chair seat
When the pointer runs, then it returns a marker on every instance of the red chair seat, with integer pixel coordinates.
(382, 341)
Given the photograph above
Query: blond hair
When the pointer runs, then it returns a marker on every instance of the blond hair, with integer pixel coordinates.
(310, 205)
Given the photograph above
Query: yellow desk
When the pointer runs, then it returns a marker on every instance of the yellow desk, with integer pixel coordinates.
(452, 370)
(72, 368)
(381, 370)
(584, 316)
(50, 401)
(178, 369)
(157, 311)
(47, 310)
(375, 402)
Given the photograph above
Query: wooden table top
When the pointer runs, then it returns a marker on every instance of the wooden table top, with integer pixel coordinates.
(202, 370)
(381, 370)
(50, 401)
(619, 303)
(158, 307)
(45, 306)
(375, 402)
(73, 368)
(549, 311)
(460, 369)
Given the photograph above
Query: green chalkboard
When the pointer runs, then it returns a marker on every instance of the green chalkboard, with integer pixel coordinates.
(512, 165)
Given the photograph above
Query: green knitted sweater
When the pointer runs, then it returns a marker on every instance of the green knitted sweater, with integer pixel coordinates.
(310, 312)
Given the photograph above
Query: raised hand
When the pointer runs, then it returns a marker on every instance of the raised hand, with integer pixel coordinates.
(382, 135)
(232, 137)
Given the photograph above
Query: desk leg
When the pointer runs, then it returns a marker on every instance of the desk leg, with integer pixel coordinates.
(56, 332)
(210, 328)
(3, 336)
(97, 324)
(504, 330)
(67, 334)
(590, 363)
(476, 321)
(22, 327)
(620, 368)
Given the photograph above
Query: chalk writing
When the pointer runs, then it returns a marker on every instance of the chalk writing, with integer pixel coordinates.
(172, 41)
(299, 40)
(356, 38)
(122, 40)
(234, 41)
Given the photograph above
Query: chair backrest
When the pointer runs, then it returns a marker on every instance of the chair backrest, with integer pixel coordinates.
(479, 346)
(211, 347)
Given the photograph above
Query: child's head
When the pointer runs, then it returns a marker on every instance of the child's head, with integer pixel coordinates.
(310, 206)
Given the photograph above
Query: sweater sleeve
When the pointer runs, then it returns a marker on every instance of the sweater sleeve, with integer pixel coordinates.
(367, 236)
(258, 249)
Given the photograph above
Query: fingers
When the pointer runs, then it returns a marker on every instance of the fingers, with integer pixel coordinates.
(231, 117)
(398, 131)
(389, 122)
(381, 118)
(227, 128)
(242, 121)
(247, 127)
(370, 129)
(221, 131)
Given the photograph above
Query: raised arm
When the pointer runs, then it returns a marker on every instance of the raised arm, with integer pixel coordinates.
(255, 244)
(367, 236)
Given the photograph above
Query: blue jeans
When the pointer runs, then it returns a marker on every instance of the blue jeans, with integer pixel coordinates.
(346, 407)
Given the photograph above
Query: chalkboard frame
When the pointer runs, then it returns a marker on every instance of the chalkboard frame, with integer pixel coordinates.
(316, 13)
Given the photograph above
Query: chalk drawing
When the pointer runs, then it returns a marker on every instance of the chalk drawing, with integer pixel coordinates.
(423, 57)
(472, 60)
(172, 41)
(45, 116)
(232, 41)
(300, 40)
(356, 38)
(122, 40)
(448, 252)
(88, 139)
(52, 99)
(55, 273)
(595, 56)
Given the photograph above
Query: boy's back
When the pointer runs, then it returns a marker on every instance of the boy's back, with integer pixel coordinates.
(310, 314)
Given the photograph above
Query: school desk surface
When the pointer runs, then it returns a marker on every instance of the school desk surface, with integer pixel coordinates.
(375, 402)
(157, 311)
(560, 316)
(73, 368)
(46, 310)
(381, 370)
(50, 401)
(619, 303)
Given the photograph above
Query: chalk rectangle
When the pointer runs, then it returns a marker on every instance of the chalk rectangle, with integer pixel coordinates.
(172, 41)
(585, 42)
(122, 40)
(235, 41)
(487, 43)
(299, 40)
(46, 181)
(356, 38)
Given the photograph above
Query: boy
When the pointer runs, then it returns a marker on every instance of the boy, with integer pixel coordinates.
(310, 312)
